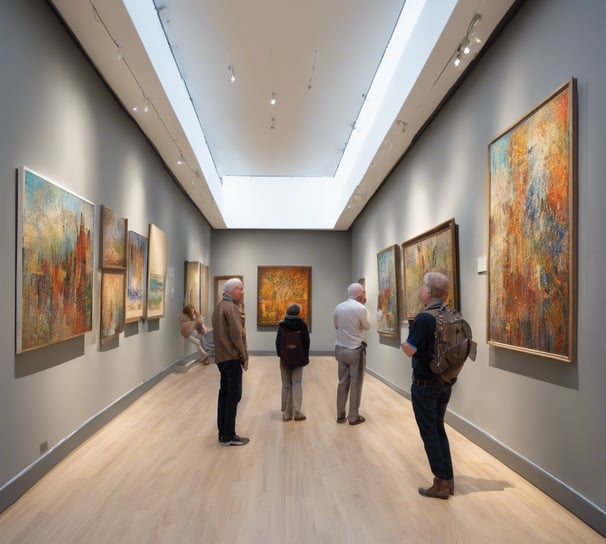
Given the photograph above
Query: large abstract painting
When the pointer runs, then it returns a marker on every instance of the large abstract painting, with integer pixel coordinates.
(114, 239)
(531, 253)
(112, 303)
(280, 286)
(387, 306)
(192, 278)
(137, 277)
(156, 272)
(54, 298)
(433, 251)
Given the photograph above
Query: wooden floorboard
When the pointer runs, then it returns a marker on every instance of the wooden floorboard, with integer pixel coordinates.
(155, 474)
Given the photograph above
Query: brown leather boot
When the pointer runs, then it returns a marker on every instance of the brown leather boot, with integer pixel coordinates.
(439, 490)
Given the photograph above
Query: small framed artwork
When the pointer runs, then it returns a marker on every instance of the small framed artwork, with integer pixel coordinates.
(137, 277)
(113, 287)
(204, 289)
(114, 239)
(54, 295)
(433, 251)
(531, 230)
(387, 305)
(280, 286)
(220, 282)
(156, 272)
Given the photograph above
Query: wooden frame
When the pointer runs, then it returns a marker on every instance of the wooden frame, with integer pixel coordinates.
(136, 287)
(54, 295)
(113, 289)
(433, 251)
(219, 282)
(387, 304)
(531, 230)
(156, 272)
(280, 286)
(204, 289)
(114, 240)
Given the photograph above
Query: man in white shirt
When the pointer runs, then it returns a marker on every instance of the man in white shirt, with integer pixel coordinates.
(351, 319)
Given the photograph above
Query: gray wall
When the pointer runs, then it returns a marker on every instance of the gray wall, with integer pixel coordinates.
(239, 252)
(528, 409)
(58, 118)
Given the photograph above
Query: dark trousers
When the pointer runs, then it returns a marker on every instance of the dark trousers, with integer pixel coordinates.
(429, 402)
(230, 393)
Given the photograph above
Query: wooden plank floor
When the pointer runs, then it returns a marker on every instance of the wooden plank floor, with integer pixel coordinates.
(157, 474)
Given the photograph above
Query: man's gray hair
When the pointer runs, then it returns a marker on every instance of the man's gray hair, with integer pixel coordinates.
(230, 285)
(437, 284)
(355, 290)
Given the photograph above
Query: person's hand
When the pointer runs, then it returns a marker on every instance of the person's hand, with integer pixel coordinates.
(245, 366)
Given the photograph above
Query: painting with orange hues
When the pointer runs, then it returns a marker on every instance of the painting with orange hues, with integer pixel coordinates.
(433, 251)
(280, 286)
(54, 295)
(532, 252)
(387, 304)
(114, 239)
(113, 289)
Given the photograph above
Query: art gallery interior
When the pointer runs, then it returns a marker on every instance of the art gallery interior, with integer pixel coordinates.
(67, 116)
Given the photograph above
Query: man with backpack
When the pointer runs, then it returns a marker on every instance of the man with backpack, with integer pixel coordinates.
(429, 393)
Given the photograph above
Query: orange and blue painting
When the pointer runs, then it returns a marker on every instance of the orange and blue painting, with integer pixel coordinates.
(54, 263)
(531, 231)
(280, 286)
(387, 305)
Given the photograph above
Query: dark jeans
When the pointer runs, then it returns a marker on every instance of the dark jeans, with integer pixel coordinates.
(230, 393)
(429, 402)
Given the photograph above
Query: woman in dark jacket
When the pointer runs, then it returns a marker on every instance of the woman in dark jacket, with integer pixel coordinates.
(292, 346)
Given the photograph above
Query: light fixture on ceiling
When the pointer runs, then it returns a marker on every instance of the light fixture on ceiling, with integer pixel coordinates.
(471, 29)
(272, 100)
(181, 159)
(470, 40)
(273, 123)
(144, 107)
(457, 59)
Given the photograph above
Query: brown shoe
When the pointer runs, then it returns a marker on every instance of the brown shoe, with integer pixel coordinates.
(358, 420)
(439, 490)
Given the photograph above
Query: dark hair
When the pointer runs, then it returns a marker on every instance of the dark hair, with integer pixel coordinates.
(293, 309)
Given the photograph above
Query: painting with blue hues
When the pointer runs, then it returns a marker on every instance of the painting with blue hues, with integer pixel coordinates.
(531, 253)
(54, 295)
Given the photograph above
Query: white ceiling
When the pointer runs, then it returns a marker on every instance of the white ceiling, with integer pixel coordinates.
(317, 152)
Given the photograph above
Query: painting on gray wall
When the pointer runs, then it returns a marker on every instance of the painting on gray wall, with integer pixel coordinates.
(433, 251)
(137, 277)
(113, 287)
(54, 295)
(531, 230)
(193, 283)
(387, 305)
(114, 239)
(156, 272)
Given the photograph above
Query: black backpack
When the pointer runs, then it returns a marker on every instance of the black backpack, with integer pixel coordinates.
(453, 343)
(292, 353)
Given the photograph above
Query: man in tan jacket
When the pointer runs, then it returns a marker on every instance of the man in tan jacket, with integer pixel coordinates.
(231, 356)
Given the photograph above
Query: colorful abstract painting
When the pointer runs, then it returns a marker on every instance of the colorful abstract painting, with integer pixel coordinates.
(137, 277)
(54, 299)
(156, 271)
(531, 257)
(433, 251)
(387, 305)
(280, 286)
(112, 303)
(114, 232)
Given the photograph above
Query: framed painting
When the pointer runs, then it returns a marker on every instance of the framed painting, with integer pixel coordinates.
(280, 286)
(54, 295)
(433, 251)
(192, 284)
(137, 277)
(114, 239)
(204, 289)
(113, 287)
(387, 305)
(531, 230)
(156, 272)
(220, 282)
